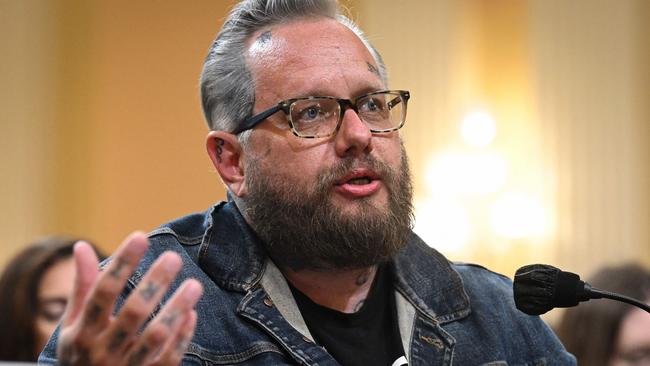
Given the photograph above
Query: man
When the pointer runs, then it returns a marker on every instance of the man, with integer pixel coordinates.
(312, 260)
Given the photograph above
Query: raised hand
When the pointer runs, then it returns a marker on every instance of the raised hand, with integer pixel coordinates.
(91, 335)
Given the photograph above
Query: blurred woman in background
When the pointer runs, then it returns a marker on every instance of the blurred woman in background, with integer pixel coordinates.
(607, 332)
(34, 289)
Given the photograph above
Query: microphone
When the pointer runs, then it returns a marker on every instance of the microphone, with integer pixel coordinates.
(539, 288)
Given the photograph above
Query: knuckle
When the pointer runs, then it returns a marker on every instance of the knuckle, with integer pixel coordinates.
(104, 293)
(156, 334)
(169, 358)
(132, 314)
(81, 341)
(100, 358)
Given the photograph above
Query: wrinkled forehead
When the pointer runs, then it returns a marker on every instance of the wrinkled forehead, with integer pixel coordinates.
(304, 45)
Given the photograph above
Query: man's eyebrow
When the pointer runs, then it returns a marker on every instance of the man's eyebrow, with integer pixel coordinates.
(317, 93)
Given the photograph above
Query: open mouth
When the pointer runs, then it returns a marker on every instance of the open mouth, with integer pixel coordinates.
(359, 181)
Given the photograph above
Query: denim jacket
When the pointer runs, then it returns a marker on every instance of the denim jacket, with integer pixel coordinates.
(449, 314)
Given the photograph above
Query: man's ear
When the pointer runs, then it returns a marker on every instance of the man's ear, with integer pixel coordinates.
(226, 155)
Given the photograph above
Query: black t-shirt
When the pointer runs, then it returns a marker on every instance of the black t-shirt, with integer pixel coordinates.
(367, 337)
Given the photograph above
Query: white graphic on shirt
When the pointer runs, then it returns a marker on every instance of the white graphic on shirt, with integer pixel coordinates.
(400, 362)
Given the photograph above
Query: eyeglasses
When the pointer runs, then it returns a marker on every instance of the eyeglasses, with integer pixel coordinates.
(312, 117)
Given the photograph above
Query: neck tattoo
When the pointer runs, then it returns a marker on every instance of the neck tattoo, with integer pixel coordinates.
(362, 279)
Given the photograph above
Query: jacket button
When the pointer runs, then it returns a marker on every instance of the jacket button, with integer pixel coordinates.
(268, 302)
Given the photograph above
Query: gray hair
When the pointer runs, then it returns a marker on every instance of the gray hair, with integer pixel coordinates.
(227, 88)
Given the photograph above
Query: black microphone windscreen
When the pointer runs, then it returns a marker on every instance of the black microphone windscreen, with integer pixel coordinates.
(539, 288)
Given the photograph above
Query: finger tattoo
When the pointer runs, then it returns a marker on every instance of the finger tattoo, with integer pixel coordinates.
(149, 290)
(117, 268)
(118, 340)
(94, 312)
(137, 358)
(84, 358)
(170, 318)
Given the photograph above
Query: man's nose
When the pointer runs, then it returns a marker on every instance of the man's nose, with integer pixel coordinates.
(354, 136)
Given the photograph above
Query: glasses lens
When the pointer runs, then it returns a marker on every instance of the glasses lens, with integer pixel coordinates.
(382, 111)
(314, 116)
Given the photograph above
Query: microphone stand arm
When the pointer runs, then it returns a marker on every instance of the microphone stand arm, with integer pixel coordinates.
(595, 293)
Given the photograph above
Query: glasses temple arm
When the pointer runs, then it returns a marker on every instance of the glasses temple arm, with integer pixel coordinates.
(257, 119)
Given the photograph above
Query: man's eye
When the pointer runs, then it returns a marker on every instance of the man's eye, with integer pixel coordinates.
(371, 105)
(310, 113)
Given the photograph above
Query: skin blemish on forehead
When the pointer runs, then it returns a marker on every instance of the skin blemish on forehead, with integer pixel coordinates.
(372, 69)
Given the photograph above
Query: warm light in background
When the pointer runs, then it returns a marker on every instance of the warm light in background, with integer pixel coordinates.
(469, 194)
(478, 129)
(516, 216)
(443, 224)
(551, 75)
(463, 173)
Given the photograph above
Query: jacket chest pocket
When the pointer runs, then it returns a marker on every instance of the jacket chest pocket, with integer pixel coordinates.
(261, 353)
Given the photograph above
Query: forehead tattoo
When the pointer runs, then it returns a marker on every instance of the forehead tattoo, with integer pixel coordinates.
(264, 37)
(372, 68)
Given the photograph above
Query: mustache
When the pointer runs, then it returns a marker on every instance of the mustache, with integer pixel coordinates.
(326, 178)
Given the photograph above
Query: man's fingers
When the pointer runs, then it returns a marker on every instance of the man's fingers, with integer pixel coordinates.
(186, 333)
(172, 352)
(86, 271)
(110, 283)
(162, 335)
(122, 338)
(139, 305)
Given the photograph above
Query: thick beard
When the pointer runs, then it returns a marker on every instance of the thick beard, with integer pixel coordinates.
(302, 229)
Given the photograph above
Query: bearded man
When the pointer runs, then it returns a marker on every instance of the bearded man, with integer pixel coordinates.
(312, 260)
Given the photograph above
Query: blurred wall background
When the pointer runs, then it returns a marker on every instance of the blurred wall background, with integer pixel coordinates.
(528, 128)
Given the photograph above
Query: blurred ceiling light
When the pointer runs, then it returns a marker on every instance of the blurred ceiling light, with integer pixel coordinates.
(453, 174)
(442, 225)
(517, 216)
(478, 129)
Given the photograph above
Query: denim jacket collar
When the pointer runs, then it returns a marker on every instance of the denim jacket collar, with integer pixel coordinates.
(428, 281)
(236, 259)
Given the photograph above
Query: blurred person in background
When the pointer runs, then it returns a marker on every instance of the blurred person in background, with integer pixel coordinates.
(34, 289)
(611, 333)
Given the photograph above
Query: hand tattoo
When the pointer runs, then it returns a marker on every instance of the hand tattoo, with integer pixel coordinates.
(137, 358)
(118, 339)
(94, 311)
(170, 319)
(117, 268)
(149, 290)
